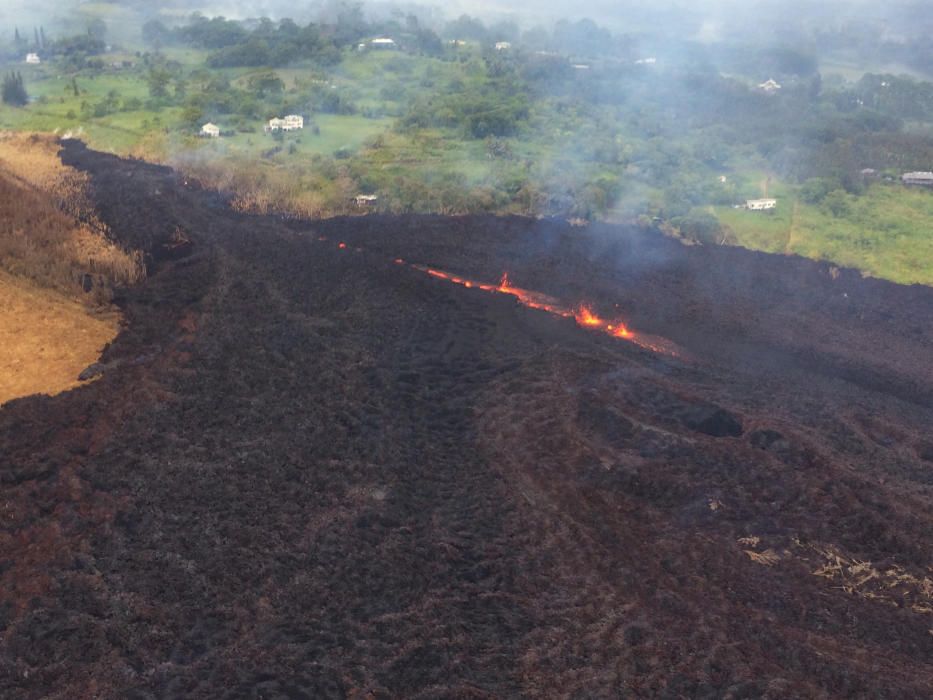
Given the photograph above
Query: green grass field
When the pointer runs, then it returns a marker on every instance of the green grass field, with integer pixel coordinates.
(887, 232)
(336, 132)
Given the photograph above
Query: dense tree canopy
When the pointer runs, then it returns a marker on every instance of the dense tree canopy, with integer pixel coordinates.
(13, 91)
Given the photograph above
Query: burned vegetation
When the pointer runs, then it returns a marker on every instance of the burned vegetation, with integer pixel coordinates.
(312, 469)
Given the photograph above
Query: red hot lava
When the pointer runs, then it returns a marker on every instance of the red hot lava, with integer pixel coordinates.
(583, 314)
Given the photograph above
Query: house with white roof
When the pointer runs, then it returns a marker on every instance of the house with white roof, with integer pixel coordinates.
(211, 131)
(769, 86)
(760, 204)
(33, 59)
(923, 179)
(292, 122)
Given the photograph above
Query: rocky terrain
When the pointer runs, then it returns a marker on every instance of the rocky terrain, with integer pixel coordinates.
(309, 469)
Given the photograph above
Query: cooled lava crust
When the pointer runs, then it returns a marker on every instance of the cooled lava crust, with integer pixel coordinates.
(309, 471)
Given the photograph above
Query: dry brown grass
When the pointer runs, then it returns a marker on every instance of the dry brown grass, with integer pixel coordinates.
(258, 189)
(46, 339)
(890, 585)
(48, 232)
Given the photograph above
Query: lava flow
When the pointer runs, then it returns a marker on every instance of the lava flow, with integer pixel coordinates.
(586, 318)
(583, 314)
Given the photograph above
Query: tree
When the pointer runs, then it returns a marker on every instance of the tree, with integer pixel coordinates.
(838, 202)
(351, 24)
(155, 33)
(466, 27)
(158, 80)
(14, 92)
(815, 189)
(703, 228)
(428, 42)
(264, 84)
(97, 29)
(192, 114)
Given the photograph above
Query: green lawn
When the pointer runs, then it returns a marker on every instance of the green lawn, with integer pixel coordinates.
(887, 232)
(336, 132)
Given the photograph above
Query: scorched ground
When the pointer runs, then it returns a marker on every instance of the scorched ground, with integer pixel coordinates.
(310, 470)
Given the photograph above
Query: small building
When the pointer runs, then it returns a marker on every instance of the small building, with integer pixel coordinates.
(365, 200)
(650, 61)
(211, 131)
(921, 179)
(760, 204)
(33, 59)
(457, 43)
(292, 122)
(383, 43)
(769, 86)
(580, 66)
(503, 45)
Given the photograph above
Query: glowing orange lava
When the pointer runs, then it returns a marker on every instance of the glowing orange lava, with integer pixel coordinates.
(619, 330)
(582, 314)
(585, 317)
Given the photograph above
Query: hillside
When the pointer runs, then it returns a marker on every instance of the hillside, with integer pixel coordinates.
(346, 459)
(58, 270)
(46, 339)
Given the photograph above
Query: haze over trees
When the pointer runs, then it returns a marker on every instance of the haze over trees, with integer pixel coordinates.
(573, 117)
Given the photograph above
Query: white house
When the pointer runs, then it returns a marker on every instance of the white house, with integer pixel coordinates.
(770, 86)
(33, 58)
(924, 179)
(365, 200)
(760, 204)
(210, 130)
(383, 43)
(292, 122)
(650, 61)
(503, 45)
